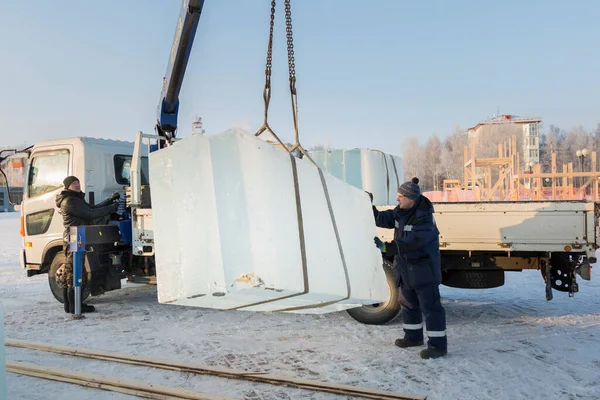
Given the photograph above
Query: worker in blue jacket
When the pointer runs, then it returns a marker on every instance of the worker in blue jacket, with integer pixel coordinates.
(416, 251)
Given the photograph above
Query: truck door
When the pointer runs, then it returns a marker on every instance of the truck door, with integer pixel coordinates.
(43, 224)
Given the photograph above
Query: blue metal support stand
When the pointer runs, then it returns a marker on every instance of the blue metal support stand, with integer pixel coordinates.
(77, 246)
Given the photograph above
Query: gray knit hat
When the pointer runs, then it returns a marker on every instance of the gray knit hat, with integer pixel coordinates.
(68, 180)
(410, 189)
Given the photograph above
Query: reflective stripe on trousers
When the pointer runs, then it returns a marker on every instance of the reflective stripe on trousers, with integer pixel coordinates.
(436, 333)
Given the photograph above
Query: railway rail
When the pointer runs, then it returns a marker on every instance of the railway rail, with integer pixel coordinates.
(152, 391)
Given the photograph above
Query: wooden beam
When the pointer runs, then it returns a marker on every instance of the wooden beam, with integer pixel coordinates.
(554, 177)
(570, 180)
(518, 173)
(595, 182)
(499, 182)
(465, 170)
(539, 183)
(492, 161)
(473, 163)
(561, 175)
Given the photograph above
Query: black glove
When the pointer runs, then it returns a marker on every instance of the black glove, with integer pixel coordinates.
(114, 196)
(389, 248)
(375, 210)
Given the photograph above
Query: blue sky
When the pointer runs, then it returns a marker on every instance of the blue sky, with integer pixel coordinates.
(370, 73)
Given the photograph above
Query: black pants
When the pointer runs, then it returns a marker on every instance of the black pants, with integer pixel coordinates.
(426, 301)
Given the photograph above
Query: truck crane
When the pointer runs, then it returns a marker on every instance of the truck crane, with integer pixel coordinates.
(127, 248)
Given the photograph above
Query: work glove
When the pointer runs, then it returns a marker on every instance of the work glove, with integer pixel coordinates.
(380, 245)
(114, 196)
(390, 248)
(375, 210)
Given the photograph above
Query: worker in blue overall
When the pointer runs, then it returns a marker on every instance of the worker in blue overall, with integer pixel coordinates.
(417, 263)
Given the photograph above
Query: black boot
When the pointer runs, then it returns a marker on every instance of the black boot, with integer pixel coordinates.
(85, 308)
(432, 352)
(66, 300)
(71, 300)
(408, 343)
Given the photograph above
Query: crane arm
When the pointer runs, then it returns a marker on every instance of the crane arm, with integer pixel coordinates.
(168, 107)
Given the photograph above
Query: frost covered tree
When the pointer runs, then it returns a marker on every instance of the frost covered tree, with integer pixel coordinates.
(431, 164)
(452, 155)
(413, 158)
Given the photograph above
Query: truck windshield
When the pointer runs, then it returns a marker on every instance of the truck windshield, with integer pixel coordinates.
(123, 169)
(47, 171)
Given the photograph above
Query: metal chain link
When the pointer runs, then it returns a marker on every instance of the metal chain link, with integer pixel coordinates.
(290, 44)
(270, 47)
(297, 147)
(267, 90)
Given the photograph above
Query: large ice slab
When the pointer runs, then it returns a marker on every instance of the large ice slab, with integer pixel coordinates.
(239, 224)
(370, 170)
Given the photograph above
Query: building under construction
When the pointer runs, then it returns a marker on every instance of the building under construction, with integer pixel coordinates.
(506, 177)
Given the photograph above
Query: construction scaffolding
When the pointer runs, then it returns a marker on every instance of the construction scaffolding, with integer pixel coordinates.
(501, 179)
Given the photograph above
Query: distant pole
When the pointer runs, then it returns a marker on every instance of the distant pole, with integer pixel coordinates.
(197, 126)
(581, 154)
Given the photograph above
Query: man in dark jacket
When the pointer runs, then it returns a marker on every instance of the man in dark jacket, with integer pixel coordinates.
(77, 212)
(416, 251)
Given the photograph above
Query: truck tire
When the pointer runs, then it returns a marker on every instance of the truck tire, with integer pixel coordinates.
(381, 313)
(57, 292)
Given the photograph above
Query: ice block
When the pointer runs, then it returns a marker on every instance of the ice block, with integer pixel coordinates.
(240, 224)
(370, 170)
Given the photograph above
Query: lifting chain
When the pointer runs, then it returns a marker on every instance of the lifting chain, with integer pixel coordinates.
(292, 78)
(292, 73)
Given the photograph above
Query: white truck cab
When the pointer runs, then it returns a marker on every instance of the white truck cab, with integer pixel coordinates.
(102, 166)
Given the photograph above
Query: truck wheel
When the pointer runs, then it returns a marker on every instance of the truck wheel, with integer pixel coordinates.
(381, 313)
(57, 292)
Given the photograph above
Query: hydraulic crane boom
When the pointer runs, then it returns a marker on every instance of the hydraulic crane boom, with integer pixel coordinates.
(168, 106)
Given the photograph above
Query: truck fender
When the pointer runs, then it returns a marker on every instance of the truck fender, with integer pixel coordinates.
(48, 254)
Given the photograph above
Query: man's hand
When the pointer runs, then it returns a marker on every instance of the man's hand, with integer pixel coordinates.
(380, 245)
(114, 196)
(390, 248)
(375, 210)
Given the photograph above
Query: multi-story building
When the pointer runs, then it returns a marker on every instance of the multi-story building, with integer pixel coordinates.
(527, 127)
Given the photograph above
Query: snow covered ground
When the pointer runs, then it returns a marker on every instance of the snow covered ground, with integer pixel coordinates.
(504, 343)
